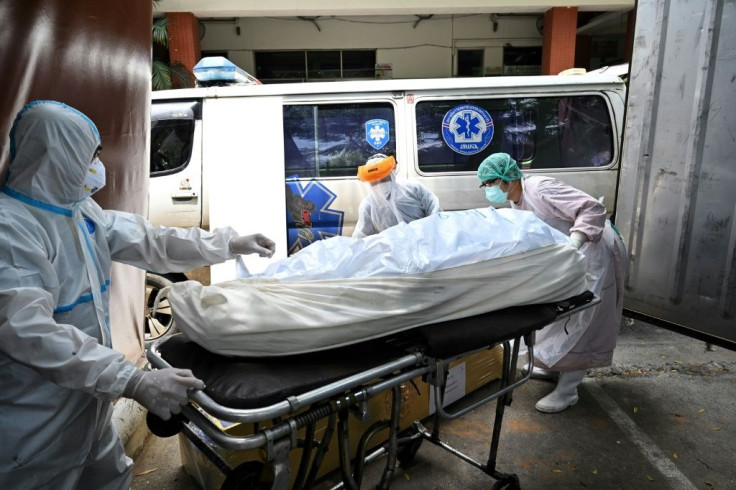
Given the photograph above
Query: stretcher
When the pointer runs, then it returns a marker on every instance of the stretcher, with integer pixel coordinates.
(280, 400)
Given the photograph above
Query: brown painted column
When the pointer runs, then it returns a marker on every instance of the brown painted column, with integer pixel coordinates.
(184, 44)
(96, 57)
(558, 49)
(631, 18)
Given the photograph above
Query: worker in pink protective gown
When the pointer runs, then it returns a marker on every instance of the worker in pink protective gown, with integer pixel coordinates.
(565, 349)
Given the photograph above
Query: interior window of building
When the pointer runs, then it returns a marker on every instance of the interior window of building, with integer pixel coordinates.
(470, 63)
(323, 65)
(317, 65)
(521, 60)
(358, 64)
(205, 54)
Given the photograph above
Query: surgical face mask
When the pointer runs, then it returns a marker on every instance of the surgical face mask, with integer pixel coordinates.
(496, 195)
(95, 178)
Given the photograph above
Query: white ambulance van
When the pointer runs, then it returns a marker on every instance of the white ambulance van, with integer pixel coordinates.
(282, 159)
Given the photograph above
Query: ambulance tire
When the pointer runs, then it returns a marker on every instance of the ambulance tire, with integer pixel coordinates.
(161, 324)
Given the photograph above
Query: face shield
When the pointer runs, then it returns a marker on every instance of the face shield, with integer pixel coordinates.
(382, 189)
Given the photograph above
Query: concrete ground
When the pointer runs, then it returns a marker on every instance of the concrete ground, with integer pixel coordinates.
(662, 417)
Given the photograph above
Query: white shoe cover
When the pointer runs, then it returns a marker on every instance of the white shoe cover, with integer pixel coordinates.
(564, 395)
(541, 373)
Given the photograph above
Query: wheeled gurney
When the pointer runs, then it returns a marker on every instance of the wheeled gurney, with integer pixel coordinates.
(281, 399)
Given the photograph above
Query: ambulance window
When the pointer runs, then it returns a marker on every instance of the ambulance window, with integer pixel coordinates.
(172, 136)
(539, 132)
(331, 140)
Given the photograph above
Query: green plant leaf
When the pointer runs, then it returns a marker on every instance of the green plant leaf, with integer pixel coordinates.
(160, 31)
(161, 76)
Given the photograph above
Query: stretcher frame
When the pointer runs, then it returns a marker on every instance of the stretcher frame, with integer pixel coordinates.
(336, 400)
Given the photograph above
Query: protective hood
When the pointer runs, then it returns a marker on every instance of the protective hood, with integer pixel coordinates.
(51, 147)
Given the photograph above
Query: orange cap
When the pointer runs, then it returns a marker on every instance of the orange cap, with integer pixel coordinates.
(375, 171)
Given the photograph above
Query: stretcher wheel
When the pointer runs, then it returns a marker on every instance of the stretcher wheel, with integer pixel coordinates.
(408, 451)
(507, 482)
(162, 428)
(246, 476)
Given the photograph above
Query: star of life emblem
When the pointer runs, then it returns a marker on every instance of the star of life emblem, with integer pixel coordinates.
(467, 129)
(377, 133)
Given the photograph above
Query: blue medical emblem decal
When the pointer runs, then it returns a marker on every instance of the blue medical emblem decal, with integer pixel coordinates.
(376, 133)
(467, 129)
(308, 214)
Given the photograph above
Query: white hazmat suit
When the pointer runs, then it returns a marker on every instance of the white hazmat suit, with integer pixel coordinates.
(59, 373)
(391, 202)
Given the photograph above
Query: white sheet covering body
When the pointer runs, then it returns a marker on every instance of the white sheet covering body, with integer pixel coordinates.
(345, 290)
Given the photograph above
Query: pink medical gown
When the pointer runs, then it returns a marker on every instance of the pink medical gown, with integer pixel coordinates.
(587, 339)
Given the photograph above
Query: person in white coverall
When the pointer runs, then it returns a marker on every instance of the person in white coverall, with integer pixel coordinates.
(390, 201)
(59, 371)
(586, 340)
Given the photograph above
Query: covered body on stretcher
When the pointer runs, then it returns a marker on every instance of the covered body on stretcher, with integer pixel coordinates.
(344, 290)
(305, 380)
(280, 402)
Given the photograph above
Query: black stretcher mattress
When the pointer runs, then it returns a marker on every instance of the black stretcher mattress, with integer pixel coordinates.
(242, 382)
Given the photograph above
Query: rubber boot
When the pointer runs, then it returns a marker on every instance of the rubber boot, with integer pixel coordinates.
(564, 395)
(541, 373)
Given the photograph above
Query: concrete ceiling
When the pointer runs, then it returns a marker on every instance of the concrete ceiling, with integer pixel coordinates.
(313, 8)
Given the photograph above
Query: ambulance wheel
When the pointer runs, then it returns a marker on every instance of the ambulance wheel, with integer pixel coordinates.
(160, 323)
(408, 451)
(246, 476)
(162, 428)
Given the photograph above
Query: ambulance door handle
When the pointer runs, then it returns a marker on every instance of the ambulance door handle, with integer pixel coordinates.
(184, 196)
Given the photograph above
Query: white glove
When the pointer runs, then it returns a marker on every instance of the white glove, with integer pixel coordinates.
(252, 244)
(578, 239)
(162, 392)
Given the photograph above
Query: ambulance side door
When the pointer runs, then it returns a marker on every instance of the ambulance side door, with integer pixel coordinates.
(175, 187)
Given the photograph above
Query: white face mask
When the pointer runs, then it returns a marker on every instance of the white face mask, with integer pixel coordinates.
(95, 178)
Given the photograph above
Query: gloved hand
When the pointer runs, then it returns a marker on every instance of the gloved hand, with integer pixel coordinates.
(252, 244)
(162, 392)
(578, 239)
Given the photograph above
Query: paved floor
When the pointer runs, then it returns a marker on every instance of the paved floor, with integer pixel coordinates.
(662, 417)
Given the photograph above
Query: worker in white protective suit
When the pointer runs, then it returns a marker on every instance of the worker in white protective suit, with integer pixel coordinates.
(59, 371)
(390, 201)
(567, 348)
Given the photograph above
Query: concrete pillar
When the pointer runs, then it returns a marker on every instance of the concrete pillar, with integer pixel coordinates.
(184, 44)
(558, 49)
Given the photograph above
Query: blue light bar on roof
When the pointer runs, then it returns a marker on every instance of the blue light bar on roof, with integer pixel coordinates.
(220, 69)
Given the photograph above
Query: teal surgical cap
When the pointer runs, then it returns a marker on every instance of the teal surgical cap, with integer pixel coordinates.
(499, 166)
